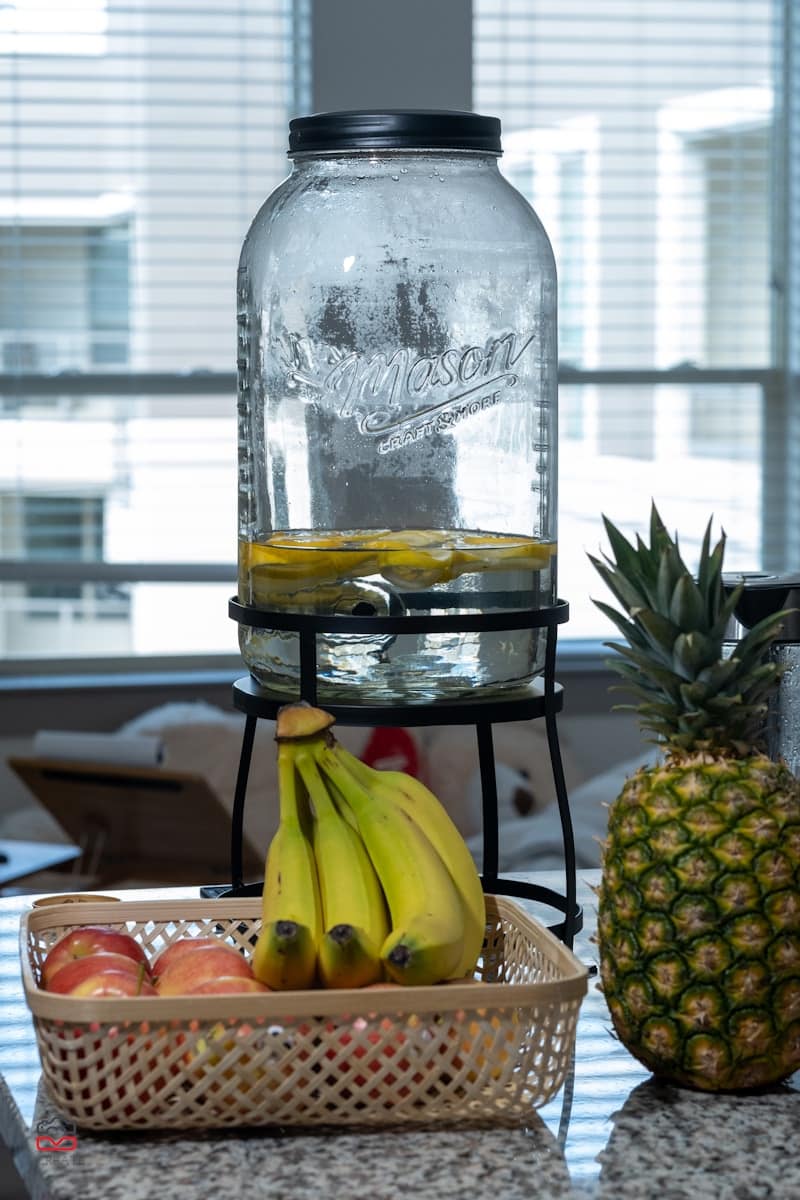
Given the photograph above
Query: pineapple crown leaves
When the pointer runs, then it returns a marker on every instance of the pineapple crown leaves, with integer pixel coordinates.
(689, 694)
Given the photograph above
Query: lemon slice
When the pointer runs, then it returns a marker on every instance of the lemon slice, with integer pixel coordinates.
(417, 568)
(416, 558)
(487, 552)
(289, 563)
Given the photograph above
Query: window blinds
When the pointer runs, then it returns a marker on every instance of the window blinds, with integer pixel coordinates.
(657, 142)
(139, 139)
(647, 137)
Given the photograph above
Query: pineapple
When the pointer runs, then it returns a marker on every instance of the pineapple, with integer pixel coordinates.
(699, 901)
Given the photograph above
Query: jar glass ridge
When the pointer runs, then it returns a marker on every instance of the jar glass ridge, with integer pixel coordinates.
(397, 418)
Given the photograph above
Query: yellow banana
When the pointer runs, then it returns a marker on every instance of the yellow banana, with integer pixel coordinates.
(354, 917)
(285, 954)
(342, 807)
(433, 818)
(347, 958)
(427, 916)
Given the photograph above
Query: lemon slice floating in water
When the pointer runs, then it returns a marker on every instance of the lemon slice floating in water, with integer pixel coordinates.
(289, 563)
(500, 552)
(413, 558)
(305, 562)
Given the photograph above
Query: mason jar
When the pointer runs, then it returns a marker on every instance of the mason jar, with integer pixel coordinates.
(397, 392)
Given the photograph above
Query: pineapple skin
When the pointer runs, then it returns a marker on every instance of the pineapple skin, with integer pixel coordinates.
(699, 920)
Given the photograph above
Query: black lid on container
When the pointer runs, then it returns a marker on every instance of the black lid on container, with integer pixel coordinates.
(394, 129)
(764, 594)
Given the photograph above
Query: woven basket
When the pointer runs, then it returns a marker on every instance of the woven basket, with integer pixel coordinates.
(395, 1055)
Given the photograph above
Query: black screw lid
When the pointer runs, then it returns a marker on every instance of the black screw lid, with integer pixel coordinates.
(394, 129)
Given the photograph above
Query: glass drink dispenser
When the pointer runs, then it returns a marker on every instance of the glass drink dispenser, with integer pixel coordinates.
(397, 357)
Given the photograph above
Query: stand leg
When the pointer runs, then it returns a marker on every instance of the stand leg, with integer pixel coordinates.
(561, 789)
(308, 666)
(489, 797)
(237, 816)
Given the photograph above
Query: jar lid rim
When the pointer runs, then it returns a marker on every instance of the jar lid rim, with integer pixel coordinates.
(394, 129)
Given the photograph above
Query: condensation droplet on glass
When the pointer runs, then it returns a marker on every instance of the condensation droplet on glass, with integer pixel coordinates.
(396, 178)
(404, 170)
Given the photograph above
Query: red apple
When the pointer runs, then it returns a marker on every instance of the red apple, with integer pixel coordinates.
(114, 983)
(90, 939)
(78, 970)
(200, 966)
(187, 945)
(93, 976)
(221, 1040)
(381, 1045)
(227, 984)
(387, 1045)
(383, 1050)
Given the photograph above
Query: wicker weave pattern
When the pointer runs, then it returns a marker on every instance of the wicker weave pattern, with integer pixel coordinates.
(392, 1056)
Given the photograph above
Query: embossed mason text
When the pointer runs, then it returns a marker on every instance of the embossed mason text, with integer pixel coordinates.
(402, 396)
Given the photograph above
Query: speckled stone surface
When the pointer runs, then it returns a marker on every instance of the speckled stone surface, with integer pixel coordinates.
(427, 1164)
(663, 1143)
(675, 1144)
(611, 1133)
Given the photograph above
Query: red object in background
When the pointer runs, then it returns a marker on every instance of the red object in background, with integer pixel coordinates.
(392, 750)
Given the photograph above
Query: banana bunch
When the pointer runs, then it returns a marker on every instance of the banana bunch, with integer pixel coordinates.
(367, 878)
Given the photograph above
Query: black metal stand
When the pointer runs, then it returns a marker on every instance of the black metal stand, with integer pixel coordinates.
(542, 698)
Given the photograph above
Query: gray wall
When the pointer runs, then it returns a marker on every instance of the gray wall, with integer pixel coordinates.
(391, 64)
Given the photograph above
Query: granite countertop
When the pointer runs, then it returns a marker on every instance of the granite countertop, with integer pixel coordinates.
(611, 1132)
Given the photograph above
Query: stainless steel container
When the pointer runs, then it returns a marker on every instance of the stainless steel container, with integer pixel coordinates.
(764, 594)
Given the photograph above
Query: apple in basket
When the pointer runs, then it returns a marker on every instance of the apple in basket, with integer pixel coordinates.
(191, 963)
(379, 1050)
(90, 940)
(203, 1054)
(222, 1058)
(228, 985)
(110, 1047)
(395, 1055)
(98, 962)
(102, 975)
(185, 945)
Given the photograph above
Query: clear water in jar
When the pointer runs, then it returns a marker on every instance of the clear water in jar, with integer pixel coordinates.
(391, 572)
